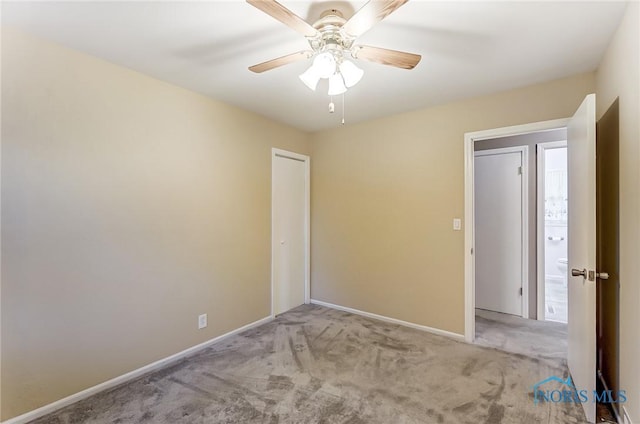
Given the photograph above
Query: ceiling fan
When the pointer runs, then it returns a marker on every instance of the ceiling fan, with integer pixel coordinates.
(331, 39)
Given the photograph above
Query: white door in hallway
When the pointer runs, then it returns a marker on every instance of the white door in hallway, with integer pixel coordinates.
(581, 153)
(290, 229)
(499, 223)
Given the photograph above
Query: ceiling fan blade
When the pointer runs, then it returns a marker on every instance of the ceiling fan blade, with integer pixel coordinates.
(284, 15)
(386, 57)
(369, 15)
(281, 61)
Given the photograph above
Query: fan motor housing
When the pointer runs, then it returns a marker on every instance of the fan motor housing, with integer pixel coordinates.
(331, 37)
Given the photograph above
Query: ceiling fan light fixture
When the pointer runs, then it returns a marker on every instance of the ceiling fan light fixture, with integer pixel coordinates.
(324, 65)
(350, 73)
(310, 78)
(336, 85)
(330, 39)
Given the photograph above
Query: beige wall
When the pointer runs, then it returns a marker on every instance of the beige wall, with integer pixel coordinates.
(619, 76)
(130, 206)
(384, 194)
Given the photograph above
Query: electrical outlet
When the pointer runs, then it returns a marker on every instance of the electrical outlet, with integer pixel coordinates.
(202, 321)
(457, 224)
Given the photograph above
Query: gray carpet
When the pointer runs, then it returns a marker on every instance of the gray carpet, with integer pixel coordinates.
(317, 365)
(545, 340)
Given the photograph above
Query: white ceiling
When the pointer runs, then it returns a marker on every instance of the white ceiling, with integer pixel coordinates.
(468, 49)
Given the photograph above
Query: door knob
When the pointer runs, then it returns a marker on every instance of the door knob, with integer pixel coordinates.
(602, 275)
(578, 273)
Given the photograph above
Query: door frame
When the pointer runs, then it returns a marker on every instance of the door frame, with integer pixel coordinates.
(540, 229)
(307, 220)
(524, 227)
(469, 230)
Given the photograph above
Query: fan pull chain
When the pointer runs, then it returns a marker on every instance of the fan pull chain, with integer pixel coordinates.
(342, 108)
(332, 106)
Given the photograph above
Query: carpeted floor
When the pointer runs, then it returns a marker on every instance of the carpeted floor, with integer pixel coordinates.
(546, 340)
(318, 365)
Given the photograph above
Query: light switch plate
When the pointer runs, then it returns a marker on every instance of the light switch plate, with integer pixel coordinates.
(202, 321)
(457, 224)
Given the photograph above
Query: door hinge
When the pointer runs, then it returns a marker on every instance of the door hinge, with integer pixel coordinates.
(519, 170)
(472, 250)
(521, 293)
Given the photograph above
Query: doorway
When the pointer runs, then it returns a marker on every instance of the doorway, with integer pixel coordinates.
(531, 140)
(523, 333)
(513, 331)
(552, 232)
(290, 213)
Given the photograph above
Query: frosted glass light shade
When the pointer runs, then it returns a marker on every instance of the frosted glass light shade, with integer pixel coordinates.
(310, 78)
(351, 73)
(324, 65)
(336, 85)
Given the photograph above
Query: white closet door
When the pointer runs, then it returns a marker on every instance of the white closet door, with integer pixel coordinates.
(498, 222)
(289, 232)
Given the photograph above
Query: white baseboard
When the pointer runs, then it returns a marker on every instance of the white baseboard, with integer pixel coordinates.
(59, 404)
(437, 331)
